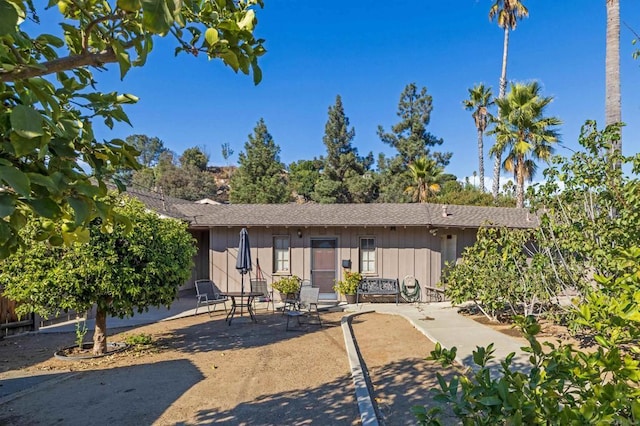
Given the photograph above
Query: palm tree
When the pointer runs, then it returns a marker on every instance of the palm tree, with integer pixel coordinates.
(612, 108)
(426, 175)
(507, 14)
(524, 132)
(480, 99)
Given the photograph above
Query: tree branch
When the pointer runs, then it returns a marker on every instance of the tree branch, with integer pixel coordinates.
(58, 65)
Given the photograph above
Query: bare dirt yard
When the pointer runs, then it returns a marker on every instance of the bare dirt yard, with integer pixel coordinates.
(198, 370)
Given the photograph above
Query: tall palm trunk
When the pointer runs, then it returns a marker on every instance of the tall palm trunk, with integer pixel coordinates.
(613, 112)
(503, 88)
(481, 157)
(520, 173)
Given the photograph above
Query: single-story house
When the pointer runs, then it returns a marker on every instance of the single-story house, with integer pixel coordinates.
(317, 242)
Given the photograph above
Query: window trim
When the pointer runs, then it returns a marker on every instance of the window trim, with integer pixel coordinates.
(453, 245)
(374, 271)
(274, 260)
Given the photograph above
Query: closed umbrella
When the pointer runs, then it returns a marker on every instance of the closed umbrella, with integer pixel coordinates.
(243, 262)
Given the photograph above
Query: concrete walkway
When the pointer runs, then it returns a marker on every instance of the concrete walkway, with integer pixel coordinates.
(441, 323)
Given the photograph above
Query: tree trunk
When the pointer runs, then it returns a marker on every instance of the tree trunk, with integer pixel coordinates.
(100, 333)
(503, 88)
(520, 179)
(613, 113)
(481, 158)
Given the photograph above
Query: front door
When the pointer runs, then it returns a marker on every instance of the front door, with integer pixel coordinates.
(324, 265)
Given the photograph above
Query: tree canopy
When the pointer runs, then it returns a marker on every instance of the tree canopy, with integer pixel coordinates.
(412, 141)
(342, 170)
(121, 271)
(260, 178)
(49, 156)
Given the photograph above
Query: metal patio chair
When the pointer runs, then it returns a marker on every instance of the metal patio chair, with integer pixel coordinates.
(208, 295)
(260, 286)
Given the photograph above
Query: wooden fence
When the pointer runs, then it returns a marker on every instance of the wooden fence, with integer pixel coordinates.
(9, 321)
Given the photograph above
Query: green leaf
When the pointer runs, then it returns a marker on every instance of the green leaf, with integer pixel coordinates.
(257, 72)
(81, 209)
(129, 5)
(635, 410)
(45, 207)
(8, 18)
(7, 205)
(157, 17)
(231, 59)
(490, 400)
(123, 58)
(23, 146)
(56, 240)
(16, 180)
(26, 121)
(42, 180)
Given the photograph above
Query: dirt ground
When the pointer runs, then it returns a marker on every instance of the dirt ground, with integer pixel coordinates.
(201, 371)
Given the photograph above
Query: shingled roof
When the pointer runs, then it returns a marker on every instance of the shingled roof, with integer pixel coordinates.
(160, 203)
(310, 214)
(375, 214)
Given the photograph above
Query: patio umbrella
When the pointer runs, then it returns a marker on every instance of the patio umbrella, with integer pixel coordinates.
(243, 262)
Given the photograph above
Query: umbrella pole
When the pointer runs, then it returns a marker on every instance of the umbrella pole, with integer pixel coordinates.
(242, 294)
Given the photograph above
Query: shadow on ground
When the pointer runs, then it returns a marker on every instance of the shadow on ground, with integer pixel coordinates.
(215, 334)
(330, 404)
(120, 396)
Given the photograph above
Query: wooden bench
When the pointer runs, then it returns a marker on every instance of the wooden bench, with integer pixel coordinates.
(378, 286)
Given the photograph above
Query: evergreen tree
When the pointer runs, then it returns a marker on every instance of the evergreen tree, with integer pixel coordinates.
(260, 178)
(412, 141)
(150, 148)
(342, 166)
(303, 176)
(195, 157)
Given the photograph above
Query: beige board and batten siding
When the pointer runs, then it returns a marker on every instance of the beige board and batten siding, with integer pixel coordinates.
(399, 252)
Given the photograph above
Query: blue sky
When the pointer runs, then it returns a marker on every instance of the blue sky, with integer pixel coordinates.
(368, 51)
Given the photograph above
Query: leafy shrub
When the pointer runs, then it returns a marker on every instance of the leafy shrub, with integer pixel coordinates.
(349, 284)
(140, 339)
(287, 285)
(560, 382)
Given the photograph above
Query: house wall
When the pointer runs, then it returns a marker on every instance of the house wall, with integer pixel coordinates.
(400, 251)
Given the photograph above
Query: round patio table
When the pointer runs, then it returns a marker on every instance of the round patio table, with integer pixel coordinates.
(241, 300)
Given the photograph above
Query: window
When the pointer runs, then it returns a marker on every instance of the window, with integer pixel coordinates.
(449, 243)
(367, 255)
(281, 254)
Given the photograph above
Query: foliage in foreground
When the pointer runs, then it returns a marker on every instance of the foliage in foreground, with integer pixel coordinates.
(51, 164)
(560, 382)
(119, 270)
(576, 236)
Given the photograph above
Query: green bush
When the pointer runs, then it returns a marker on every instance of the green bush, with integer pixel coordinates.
(287, 285)
(560, 383)
(349, 284)
(140, 339)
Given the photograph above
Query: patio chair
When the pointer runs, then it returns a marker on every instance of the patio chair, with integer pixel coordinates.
(307, 307)
(293, 304)
(260, 286)
(207, 294)
(309, 302)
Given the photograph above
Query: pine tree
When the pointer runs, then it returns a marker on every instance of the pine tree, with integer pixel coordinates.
(412, 141)
(342, 166)
(260, 178)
